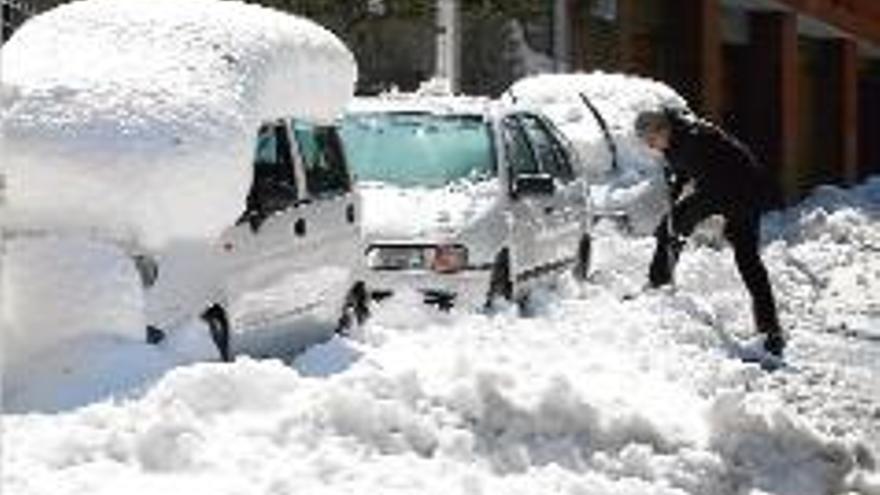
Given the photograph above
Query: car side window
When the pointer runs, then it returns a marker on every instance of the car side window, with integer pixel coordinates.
(274, 184)
(323, 159)
(549, 150)
(517, 148)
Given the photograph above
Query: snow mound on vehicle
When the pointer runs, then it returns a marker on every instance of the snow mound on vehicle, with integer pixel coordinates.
(141, 115)
(421, 103)
(64, 289)
(619, 98)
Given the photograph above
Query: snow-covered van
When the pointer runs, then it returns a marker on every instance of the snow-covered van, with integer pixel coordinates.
(465, 201)
(597, 112)
(195, 141)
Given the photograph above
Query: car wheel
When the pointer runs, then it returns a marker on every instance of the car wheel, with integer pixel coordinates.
(500, 283)
(583, 258)
(218, 323)
(355, 311)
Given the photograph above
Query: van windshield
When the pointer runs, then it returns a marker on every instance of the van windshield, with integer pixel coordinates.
(418, 149)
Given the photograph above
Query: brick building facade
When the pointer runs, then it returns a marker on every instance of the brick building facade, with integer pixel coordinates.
(799, 80)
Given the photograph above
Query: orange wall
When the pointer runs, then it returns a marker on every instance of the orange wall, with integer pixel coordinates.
(858, 17)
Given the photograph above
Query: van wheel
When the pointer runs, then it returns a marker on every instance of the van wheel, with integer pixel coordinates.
(355, 311)
(583, 259)
(218, 323)
(155, 335)
(500, 283)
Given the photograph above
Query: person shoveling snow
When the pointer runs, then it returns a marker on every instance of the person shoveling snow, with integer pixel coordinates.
(728, 181)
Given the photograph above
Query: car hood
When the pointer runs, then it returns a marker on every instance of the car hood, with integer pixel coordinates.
(392, 213)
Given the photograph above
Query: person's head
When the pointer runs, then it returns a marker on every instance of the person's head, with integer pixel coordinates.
(654, 129)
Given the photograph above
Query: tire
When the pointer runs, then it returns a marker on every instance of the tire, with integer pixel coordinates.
(218, 323)
(154, 335)
(583, 259)
(355, 311)
(500, 283)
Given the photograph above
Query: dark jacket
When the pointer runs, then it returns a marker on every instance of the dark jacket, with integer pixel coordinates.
(720, 166)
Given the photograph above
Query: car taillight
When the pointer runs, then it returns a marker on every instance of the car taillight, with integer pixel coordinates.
(449, 259)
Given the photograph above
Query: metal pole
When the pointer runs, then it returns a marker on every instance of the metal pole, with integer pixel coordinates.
(448, 65)
(560, 35)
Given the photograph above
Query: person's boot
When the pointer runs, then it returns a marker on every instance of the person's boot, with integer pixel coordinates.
(774, 343)
(664, 261)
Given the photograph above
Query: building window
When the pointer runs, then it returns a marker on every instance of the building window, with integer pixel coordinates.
(604, 9)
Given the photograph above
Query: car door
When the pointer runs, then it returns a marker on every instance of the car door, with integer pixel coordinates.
(266, 244)
(528, 209)
(565, 209)
(333, 247)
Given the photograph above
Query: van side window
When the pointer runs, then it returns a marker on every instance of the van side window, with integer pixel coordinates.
(324, 161)
(549, 150)
(274, 185)
(517, 149)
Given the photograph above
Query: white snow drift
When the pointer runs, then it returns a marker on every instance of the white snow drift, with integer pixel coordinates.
(139, 116)
(594, 394)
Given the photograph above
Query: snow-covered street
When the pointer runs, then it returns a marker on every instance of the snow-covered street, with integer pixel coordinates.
(131, 198)
(601, 389)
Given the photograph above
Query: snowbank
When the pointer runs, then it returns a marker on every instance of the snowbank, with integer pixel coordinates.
(139, 116)
(60, 289)
(594, 393)
(636, 187)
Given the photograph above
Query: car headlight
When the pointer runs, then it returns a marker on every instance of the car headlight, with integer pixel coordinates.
(439, 258)
(449, 259)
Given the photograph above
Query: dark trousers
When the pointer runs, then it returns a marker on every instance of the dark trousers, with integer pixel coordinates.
(742, 229)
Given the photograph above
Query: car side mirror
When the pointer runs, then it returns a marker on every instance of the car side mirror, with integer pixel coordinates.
(534, 185)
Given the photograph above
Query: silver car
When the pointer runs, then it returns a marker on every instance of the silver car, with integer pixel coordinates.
(465, 201)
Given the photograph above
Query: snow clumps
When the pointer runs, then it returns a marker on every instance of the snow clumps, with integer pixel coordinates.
(139, 116)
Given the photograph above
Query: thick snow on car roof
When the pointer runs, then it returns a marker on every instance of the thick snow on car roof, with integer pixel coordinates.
(141, 114)
(635, 188)
(619, 98)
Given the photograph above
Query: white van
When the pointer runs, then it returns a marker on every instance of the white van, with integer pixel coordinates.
(465, 200)
(299, 233)
(197, 139)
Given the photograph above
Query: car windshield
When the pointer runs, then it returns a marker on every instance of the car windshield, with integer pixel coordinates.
(418, 149)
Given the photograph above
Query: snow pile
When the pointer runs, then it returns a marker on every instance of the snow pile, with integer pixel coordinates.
(62, 288)
(636, 188)
(592, 393)
(139, 116)
(493, 406)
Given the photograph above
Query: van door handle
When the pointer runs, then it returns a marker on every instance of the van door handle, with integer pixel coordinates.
(299, 227)
(350, 213)
(549, 210)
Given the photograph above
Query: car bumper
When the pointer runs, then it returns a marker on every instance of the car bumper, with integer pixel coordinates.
(465, 288)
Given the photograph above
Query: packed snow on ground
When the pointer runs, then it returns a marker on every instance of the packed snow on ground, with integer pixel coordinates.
(636, 187)
(600, 389)
(130, 125)
(139, 116)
